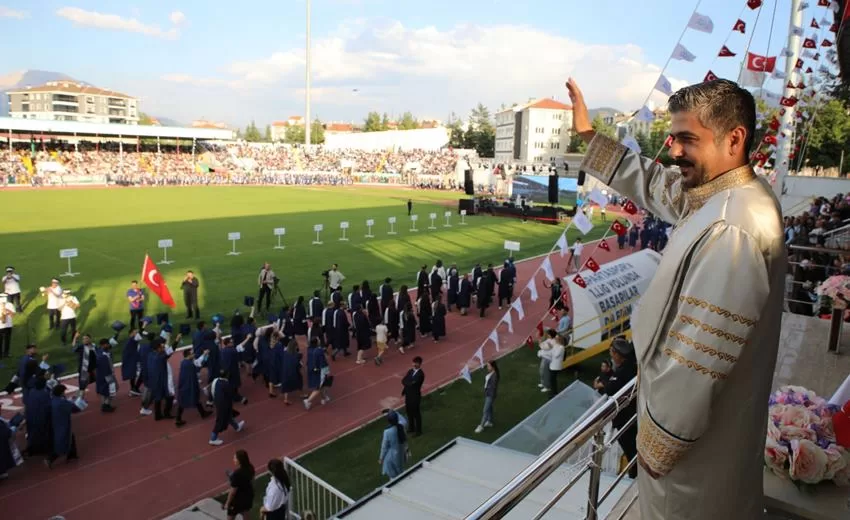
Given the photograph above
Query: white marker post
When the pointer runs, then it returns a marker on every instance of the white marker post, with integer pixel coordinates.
(233, 237)
(448, 215)
(164, 244)
(511, 247)
(413, 219)
(433, 217)
(369, 224)
(318, 229)
(391, 220)
(69, 254)
(279, 232)
(344, 227)
(463, 217)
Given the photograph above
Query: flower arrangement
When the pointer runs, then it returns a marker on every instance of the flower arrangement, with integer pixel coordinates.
(801, 443)
(837, 289)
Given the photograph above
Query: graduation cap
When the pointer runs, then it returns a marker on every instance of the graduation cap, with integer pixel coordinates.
(217, 318)
(118, 325)
(167, 328)
(57, 370)
(185, 329)
(147, 320)
(272, 318)
(249, 301)
(161, 318)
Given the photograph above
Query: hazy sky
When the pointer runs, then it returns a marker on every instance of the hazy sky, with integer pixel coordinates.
(237, 60)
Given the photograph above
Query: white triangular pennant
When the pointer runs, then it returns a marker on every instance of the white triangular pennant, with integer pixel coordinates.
(547, 268)
(582, 223)
(631, 143)
(517, 305)
(507, 319)
(701, 22)
(464, 373)
(645, 115)
(494, 337)
(562, 244)
(480, 354)
(682, 53)
(532, 288)
(598, 197)
(663, 85)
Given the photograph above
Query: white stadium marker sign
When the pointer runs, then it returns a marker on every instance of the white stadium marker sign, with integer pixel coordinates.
(164, 244)
(279, 232)
(69, 254)
(233, 236)
(318, 228)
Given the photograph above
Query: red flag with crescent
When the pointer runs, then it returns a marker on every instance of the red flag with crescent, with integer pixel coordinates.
(630, 207)
(709, 76)
(725, 52)
(592, 265)
(740, 26)
(578, 280)
(759, 63)
(155, 282)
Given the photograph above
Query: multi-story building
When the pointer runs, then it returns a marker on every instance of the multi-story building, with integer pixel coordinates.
(633, 127)
(279, 127)
(71, 101)
(537, 132)
(338, 128)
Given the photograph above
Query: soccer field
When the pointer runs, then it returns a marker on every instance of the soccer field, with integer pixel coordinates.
(113, 228)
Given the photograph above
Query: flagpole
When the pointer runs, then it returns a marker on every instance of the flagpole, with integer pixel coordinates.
(781, 164)
(307, 122)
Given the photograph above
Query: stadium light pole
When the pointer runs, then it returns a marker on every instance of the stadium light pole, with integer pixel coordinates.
(783, 150)
(307, 124)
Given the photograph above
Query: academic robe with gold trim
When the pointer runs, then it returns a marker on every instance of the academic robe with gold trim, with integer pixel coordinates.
(706, 334)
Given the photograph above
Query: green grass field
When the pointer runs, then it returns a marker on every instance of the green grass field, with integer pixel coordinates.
(113, 228)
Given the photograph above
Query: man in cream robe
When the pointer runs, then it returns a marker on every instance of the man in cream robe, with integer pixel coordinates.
(706, 333)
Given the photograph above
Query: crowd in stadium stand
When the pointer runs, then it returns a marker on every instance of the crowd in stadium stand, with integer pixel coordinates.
(244, 163)
(818, 226)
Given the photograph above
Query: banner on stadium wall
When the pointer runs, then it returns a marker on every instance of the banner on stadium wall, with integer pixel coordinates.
(536, 188)
(611, 294)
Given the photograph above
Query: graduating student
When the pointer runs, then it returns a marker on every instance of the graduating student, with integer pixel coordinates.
(328, 323)
(86, 361)
(386, 291)
(341, 333)
(373, 311)
(438, 327)
(315, 306)
(454, 287)
(37, 414)
(299, 317)
(209, 343)
(408, 328)
(505, 286)
(483, 295)
(464, 294)
(222, 394)
(157, 381)
(355, 299)
(230, 363)
(477, 273)
(435, 282)
(263, 345)
(198, 338)
(188, 386)
(391, 320)
(422, 281)
(290, 371)
(423, 305)
(362, 333)
(315, 331)
(276, 368)
(318, 375)
(130, 362)
(105, 383)
(22, 375)
(402, 299)
(64, 441)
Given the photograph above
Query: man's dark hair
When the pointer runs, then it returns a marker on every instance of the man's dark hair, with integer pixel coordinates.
(720, 106)
(418, 360)
(134, 281)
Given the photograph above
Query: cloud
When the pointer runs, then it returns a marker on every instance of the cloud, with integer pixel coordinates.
(114, 22)
(434, 71)
(177, 17)
(7, 12)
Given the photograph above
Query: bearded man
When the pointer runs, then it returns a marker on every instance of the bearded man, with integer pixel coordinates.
(707, 330)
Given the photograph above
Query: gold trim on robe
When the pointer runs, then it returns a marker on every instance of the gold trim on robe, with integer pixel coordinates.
(660, 450)
(734, 178)
(603, 157)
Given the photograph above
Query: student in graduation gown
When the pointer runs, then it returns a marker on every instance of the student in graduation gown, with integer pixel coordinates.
(477, 273)
(230, 363)
(86, 361)
(37, 414)
(145, 350)
(7, 458)
(392, 447)
(408, 327)
(402, 299)
(263, 345)
(386, 291)
(328, 323)
(130, 362)
(355, 299)
(22, 374)
(188, 386)
(250, 353)
(276, 366)
(64, 441)
(198, 338)
(363, 334)
(423, 305)
(317, 365)
(438, 327)
(341, 333)
(482, 295)
(505, 283)
(222, 394)
(454, 287)
(435, 283)
(464, 294)
(391, 320)
(315, 306)
(105, 383)
(286, 325)
(290, 371)
(422, 281)
(373, 310)
(157, 381)
(299, 317)
(209, 343)
(634, 231)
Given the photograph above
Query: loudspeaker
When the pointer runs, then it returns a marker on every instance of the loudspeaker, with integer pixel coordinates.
(468, 186)
(553, 189)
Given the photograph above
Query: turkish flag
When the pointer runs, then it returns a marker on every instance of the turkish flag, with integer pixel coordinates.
(740, 26)
(760, 157)
(529, 342)
(668, 142)
(791, 155)
(709, 76)
(769, 139)
(578, 280)
(790, 85)
(540, 328)
(809, 70)
(618, 228)
(565, 298)
(826, 43)
(630, 207)
(592, 265)
(774, 124)
(814, 24)
(788, 102)
(782, 112)
(841, 422)
(800, 85)
(603, 245)
(758, 63)
(816, 57)
(725, 52)
(809, 43)
(753, 4)
(155, 282)
(823, 3)
(799, 64)
(834, 27)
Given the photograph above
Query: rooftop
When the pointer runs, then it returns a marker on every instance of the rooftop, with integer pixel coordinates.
(70, 87)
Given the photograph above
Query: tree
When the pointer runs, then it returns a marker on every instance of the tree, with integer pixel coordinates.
(577, 144)
(372, 123)
(600, 126)
(385, 122)
(268, 136)
(828, 136)
(295, 134)
(456, 126)
(317, 132)
(239, 133)
(408, 122)
(252, 133)
(479, 119)
(145, 119)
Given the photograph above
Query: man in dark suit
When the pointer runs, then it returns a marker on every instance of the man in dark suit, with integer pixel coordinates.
(409, 206)
(412, 393)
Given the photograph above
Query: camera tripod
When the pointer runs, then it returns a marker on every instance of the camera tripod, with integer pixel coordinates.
(326, 290)
(277, 292)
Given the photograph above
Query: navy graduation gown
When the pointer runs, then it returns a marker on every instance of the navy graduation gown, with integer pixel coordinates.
(299, 319)
(230, 362)
(355, 301)
(408, 332)
(374, 310)
(424, 318)
(264, 361)
(60, 417)
(505, 281)
(436, 285)
(342, 326)
(464, 295)
(386, 295)
(188, 387)
(37, 414)
(223, 400)
(197, 339)
(421, 282)
(214, 359)
(104, 373)
(290, 374)
(144, 353)
(276, 370)
(129, 359)
(315, 362)
(439, 321)
(157, 380)
(362, 331)
(328, 324)
(86, 377)
(7, 460)
(316, 307)
(454, 285)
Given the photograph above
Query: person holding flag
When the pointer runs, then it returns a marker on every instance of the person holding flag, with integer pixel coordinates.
(155, 282)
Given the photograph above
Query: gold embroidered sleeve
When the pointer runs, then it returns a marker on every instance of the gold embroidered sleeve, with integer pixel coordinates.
(641, 179)
(709, 328)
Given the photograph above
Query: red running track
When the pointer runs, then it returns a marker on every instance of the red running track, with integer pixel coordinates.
(135, 468)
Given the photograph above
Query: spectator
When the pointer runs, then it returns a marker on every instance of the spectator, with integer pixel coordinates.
(240, 497)
(276, 499)
(392, 447)
(491, 385)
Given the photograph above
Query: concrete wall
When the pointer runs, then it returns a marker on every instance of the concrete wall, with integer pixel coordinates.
(801, 189)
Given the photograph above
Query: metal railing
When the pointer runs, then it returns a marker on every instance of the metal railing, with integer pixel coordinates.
(589, 429)
(310, 493)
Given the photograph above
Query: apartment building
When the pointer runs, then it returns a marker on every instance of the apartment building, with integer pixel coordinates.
(537, 132)
(71, 101)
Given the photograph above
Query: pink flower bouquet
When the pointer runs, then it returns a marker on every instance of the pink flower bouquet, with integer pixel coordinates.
(836, 288)
(801, 443)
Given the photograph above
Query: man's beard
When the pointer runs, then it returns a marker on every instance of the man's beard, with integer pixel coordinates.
(699, 176)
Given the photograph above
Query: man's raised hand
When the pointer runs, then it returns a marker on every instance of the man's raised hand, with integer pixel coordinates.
(581, 117)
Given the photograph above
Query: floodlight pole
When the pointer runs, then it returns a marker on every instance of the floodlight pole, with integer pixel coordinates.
(307, 81)
(782, 163)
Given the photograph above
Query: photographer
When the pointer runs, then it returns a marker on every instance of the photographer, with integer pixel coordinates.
(335, 278)
(266, 281)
